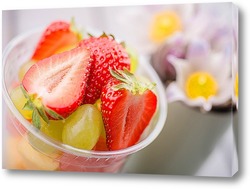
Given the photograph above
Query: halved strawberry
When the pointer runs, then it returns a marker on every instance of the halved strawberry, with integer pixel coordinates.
(105, 53)
(127, 107)
(58, 36)
(101, 145)
(56, 85)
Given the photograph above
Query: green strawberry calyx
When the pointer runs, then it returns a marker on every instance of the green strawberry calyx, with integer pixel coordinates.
(129, 82)
(34, 104)
(75, 30)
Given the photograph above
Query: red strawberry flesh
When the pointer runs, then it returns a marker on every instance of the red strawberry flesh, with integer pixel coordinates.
(60, 80)
(126, 115)
(105, 53)
(57, 35)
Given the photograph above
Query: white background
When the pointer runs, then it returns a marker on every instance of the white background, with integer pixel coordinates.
(17, 179)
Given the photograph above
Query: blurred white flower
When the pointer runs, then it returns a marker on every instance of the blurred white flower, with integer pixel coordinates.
(211, 22)
(203, 78)
(134, 23)
(174, 46)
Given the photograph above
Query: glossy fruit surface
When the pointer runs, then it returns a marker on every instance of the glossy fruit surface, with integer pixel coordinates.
(57, 37)
(19, 101)
(24, 68)
(105, 53)
(128, 105)
(53, 129)
(82, 129)
(56, 85)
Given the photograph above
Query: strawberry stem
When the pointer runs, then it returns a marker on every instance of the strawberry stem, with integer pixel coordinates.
(123, 44)
(75, 30)
(130, 82)
(38, 109)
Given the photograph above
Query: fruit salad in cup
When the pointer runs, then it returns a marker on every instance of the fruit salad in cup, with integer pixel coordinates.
(81, 92)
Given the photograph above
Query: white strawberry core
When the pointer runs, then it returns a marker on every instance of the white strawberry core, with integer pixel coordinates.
(59, 81)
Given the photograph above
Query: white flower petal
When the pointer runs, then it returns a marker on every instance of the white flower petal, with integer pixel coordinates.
(207, 106)
(177, 38)
(174, 93)
(234, 74)
(220, 67)
(183, 70)
(198, 52)
(223, 96)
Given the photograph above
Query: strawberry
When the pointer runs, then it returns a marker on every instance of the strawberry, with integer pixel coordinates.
(56, 85)
(127, 107)
(101, 145)
(105, 53)
(58, 36)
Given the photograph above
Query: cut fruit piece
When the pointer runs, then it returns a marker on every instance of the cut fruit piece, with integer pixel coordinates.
(57, 37)
(101, 144)
(82, 129)
(128, 106)
(56, 85)
(24, 68)
(42, 147)
(34, 160)
(19, 101)
(13, 159)
(53, 129)
(105, 53)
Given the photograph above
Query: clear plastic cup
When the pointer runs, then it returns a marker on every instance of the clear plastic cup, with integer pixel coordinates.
(25, 147)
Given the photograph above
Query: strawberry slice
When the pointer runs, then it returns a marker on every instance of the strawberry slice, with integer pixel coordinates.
(58, 36)
(56, 85)
(127, 107)
(105, 53)
(101, 145)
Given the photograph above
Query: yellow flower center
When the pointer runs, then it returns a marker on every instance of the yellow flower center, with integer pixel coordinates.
(236, 86)
(201, 84)
(164, 24)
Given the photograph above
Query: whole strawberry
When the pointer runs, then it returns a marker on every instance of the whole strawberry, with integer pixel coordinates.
(127, 107)
(57, 37)
(105, 53)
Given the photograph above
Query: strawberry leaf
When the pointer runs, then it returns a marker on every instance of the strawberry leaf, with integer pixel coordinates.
(28, 106)
(111, 35)
(130, 82)
(90, 35)
(123, 44)
(26, 95)
(42, 113)
(53, 114)
(36, 119)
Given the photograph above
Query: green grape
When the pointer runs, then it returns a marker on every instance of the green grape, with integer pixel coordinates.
(19, 101)
(83, 128)
(98, 104)
(40, 145)
(24, 68)
(53, 129)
